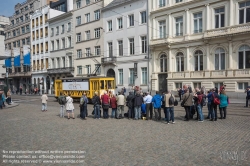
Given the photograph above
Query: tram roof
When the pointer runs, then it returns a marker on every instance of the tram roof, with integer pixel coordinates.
(85, 78)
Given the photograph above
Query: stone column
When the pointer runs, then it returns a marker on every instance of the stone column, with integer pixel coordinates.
(231, 13)
(170, 62)
(170, 27)
(187, 66)
(230, 54)
(207, 57)
(208, 21)
(187, 24)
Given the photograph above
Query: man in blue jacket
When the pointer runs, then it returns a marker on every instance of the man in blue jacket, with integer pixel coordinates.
(157, 105)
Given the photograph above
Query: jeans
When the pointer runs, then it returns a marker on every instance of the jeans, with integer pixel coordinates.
(199, 110)
(209, 110)
(97, 111)
(170, 110)
(113, 112)
(44, 106)
(247, 99)
(137, 112)
(223, 112)
(149, 110)
(131, 112)
(187, 109)
(62, 111)
(120, 110)
(157, 113)
(105, 113)
(8, 100)
(214, 111)
(83, 110)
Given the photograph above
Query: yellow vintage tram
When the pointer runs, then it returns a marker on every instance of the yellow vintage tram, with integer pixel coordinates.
(76, 86)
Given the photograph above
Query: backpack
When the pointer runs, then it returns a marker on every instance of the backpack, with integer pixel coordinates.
(175, 102)
(171, 100)
(62, 100)
(82, 101)
(203, 101)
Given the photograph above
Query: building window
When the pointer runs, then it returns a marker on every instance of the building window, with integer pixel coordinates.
(197, 85)
(79, 69)
(131, 46)
(88, 53)
(218, 84)
(144, 75)
(69, 42)
(57, 30)
(110, 25)
(162, 3)
(163, 63)
(120, 49)
(23, 30)
(242, 85)
(78, 37)
(219, 59)
(131, 20)
(78, 20)
(62, 29)
(177, 1)
(110, 47)
(87, 33)
(143, 17)
(57, 45)
(219, 17)
(63, 43)
(179, 62)
(162, 29)
(198, 60)
(78, 4)
(23, 41)
(179, 26)
(244, 57)
(87, 16)
(69, 26)
(52, 46)
(63, 62)
(14, 44)
(97, 14)
(120, 76)
(97, 50)
(98, 69)
(28, 40)
(87, 2)
(143, 44)
(52, 32)
(120, 25)
(97, 33)
(131, 77)
(18, 43)
(244, 12)
(79, 53)
(197, 22)
(14, 33)
(88, 69)
(178, 85)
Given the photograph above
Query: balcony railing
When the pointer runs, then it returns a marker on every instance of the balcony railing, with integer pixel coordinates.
(241, 28)
(61, 70)
(109, 60)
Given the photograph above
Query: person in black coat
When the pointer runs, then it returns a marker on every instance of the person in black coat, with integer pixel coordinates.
(130, 104)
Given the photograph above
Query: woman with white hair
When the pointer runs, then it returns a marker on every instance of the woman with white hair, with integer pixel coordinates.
(69, 106)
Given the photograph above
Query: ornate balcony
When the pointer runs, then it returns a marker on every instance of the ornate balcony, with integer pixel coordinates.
(108, 60)
(218, 73)
(232, 30)
(197, 74)
(20, 74)
(65, 70)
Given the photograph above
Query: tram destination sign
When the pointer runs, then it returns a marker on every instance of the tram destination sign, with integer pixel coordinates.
(75, 84)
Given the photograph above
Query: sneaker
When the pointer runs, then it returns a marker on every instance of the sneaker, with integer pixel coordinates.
(173, 122)
(167, 122)
(200, 120)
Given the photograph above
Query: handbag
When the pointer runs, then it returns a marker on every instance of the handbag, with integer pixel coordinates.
(175, 102)
(216, 100)
(183, 102)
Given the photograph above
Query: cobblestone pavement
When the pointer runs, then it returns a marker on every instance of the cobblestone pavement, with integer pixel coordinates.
(125, 142)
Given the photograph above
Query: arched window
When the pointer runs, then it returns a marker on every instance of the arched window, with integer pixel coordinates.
(163, 63)
(198, 60)
(179, 62)
(244, 57)
(220, 59)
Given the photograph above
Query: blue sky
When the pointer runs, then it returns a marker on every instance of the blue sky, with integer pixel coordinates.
(7, 7)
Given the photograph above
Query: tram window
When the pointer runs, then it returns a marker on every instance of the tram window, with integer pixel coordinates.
(102, 84)
(110, 85)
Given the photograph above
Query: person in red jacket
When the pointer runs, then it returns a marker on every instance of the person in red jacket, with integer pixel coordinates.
(113, 104)
(105, 105)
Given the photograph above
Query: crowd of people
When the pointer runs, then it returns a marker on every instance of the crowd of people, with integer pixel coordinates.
(144, 106)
